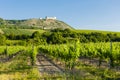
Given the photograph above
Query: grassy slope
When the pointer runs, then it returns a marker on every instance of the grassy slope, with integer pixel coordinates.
(20, 31)
(33, 30)
(30, 31)
(99, 31)
(89, 31)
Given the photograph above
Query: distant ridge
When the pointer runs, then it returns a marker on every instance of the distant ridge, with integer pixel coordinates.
(42, 23)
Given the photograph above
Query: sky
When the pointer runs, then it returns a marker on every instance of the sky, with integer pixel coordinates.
(80, 14)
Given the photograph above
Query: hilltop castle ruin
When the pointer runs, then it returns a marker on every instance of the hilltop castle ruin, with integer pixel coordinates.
(52, 18)
(49, 18)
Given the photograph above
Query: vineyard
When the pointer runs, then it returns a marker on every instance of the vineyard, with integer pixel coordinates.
(15, 63)
(109, 52)
(76, 60)
(77, 56)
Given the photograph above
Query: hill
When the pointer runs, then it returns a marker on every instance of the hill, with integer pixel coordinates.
(46, 24)
(34, 23)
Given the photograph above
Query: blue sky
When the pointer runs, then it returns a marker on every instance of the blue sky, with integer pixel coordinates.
(80, 14)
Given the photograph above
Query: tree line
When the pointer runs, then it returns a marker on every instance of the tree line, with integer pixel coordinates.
(59, 36)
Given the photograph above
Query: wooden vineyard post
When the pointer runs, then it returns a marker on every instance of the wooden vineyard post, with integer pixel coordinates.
(110, 55)
(6, 51)
(32, 55)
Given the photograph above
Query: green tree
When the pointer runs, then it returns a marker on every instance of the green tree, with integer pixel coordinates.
(55, 38)
(35, 34)
(2, 39)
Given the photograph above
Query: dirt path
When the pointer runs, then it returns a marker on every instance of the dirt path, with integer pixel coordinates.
(95, 62)
(8, 58)
(46, 66)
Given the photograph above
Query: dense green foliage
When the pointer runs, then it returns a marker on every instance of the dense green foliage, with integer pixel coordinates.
(100, 51)
(9, 50)
(56, 36)
(2, 39)
(68, 53)
(33, 52)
